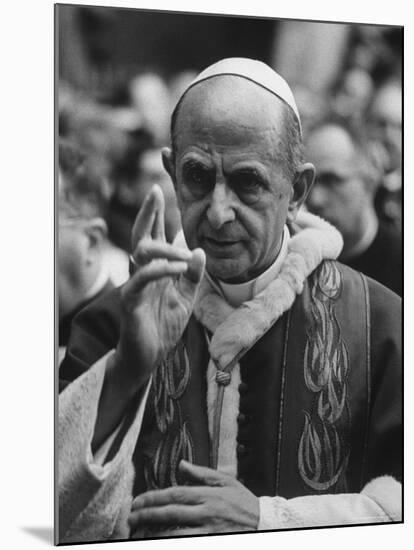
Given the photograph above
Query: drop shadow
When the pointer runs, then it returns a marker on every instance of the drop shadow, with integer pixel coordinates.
(43, 533)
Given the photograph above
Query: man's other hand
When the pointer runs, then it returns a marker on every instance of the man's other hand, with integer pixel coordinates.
(213, 503)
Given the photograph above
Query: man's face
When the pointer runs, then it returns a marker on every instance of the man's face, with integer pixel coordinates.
(339, 193)
(231, 188)
(386, 122)
(72, 250)
(77, 253)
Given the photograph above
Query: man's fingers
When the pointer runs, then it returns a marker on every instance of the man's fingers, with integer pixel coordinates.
(188, 283)
(203, 475)
(174, 532)
(157, 269)
(158, 229)
(172, 495)
(171, 514)
(147, 216)
(196, 266)
(148, 250)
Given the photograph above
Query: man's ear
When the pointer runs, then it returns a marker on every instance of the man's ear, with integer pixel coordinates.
(169, 163)
(305, 176)
(97, 231)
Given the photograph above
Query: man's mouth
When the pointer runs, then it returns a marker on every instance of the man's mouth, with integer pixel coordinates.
(216, 245)
(220, 242)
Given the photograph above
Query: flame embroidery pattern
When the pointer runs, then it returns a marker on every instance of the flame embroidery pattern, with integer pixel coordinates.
(162, 471)
(169, 384)
(323, 452)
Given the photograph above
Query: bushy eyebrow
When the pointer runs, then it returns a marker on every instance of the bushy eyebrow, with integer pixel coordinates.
(195, 163)
(252, 172)
(331, 175)
(248, 170)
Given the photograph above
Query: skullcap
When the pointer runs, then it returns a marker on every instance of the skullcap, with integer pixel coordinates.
(255, 71)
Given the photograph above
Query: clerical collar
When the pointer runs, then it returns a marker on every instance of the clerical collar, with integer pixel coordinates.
(365, 241)
(236, 294)
(99, 283)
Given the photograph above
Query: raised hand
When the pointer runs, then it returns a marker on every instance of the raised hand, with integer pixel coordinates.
(158, 299)
(213, 503)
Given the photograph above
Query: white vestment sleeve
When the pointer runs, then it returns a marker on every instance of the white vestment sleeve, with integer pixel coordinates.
(94, 499)
(101, 453)
(380, 501)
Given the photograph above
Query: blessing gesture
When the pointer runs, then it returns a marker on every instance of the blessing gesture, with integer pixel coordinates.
(156, 304)
(158, 299)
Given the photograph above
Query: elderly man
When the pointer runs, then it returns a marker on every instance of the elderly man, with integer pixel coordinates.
(344, 194)
(241, 379)
(87, 261)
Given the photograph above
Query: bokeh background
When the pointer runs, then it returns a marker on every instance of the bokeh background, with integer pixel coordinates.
(121, 72)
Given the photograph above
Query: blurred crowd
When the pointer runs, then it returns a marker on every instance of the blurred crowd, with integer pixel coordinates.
(367, 93)
(122, 139)
(109, 157)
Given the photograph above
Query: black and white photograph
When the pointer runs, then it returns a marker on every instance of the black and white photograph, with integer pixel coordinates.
(228, 274)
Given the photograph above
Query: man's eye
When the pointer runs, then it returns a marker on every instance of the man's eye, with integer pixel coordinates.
(246, 183)
(328, 180)
(198, 176)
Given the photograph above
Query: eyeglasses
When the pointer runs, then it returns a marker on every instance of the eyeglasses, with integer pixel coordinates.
(68, 222)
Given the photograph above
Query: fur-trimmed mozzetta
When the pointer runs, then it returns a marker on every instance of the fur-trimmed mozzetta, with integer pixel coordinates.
(387, 493)
(380, 501)
(98, 507)
(236, 330)
(227, 456)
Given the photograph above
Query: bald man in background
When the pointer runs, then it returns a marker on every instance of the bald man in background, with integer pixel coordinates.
(344, 192)
(242, 379)
(384, 121)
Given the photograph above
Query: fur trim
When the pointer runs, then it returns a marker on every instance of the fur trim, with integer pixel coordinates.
(227, 455)
(386, 492)
(235, 331)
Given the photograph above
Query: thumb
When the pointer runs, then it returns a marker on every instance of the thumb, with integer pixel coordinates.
(189, 282)
(196, 266)
(203, 475)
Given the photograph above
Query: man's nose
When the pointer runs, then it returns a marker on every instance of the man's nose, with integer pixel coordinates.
(220, 209)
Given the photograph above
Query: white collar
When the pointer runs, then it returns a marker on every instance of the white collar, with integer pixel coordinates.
(99, 283)
(235, 330)
(365, 241)
(236, 294)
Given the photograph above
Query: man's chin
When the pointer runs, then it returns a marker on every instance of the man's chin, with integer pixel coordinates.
(227, 270)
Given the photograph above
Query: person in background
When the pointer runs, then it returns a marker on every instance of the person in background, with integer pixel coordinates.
(384, 121)
(354, 94)
(139, 169)
(85, 258)
(347, 179)
(150, 97)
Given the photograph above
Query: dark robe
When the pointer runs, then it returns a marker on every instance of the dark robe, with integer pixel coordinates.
(382, 260)
(320, 398)
(65, 324)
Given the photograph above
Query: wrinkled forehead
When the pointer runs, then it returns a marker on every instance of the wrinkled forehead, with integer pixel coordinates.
(330, 148)
(228, 108)
(330, 140)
